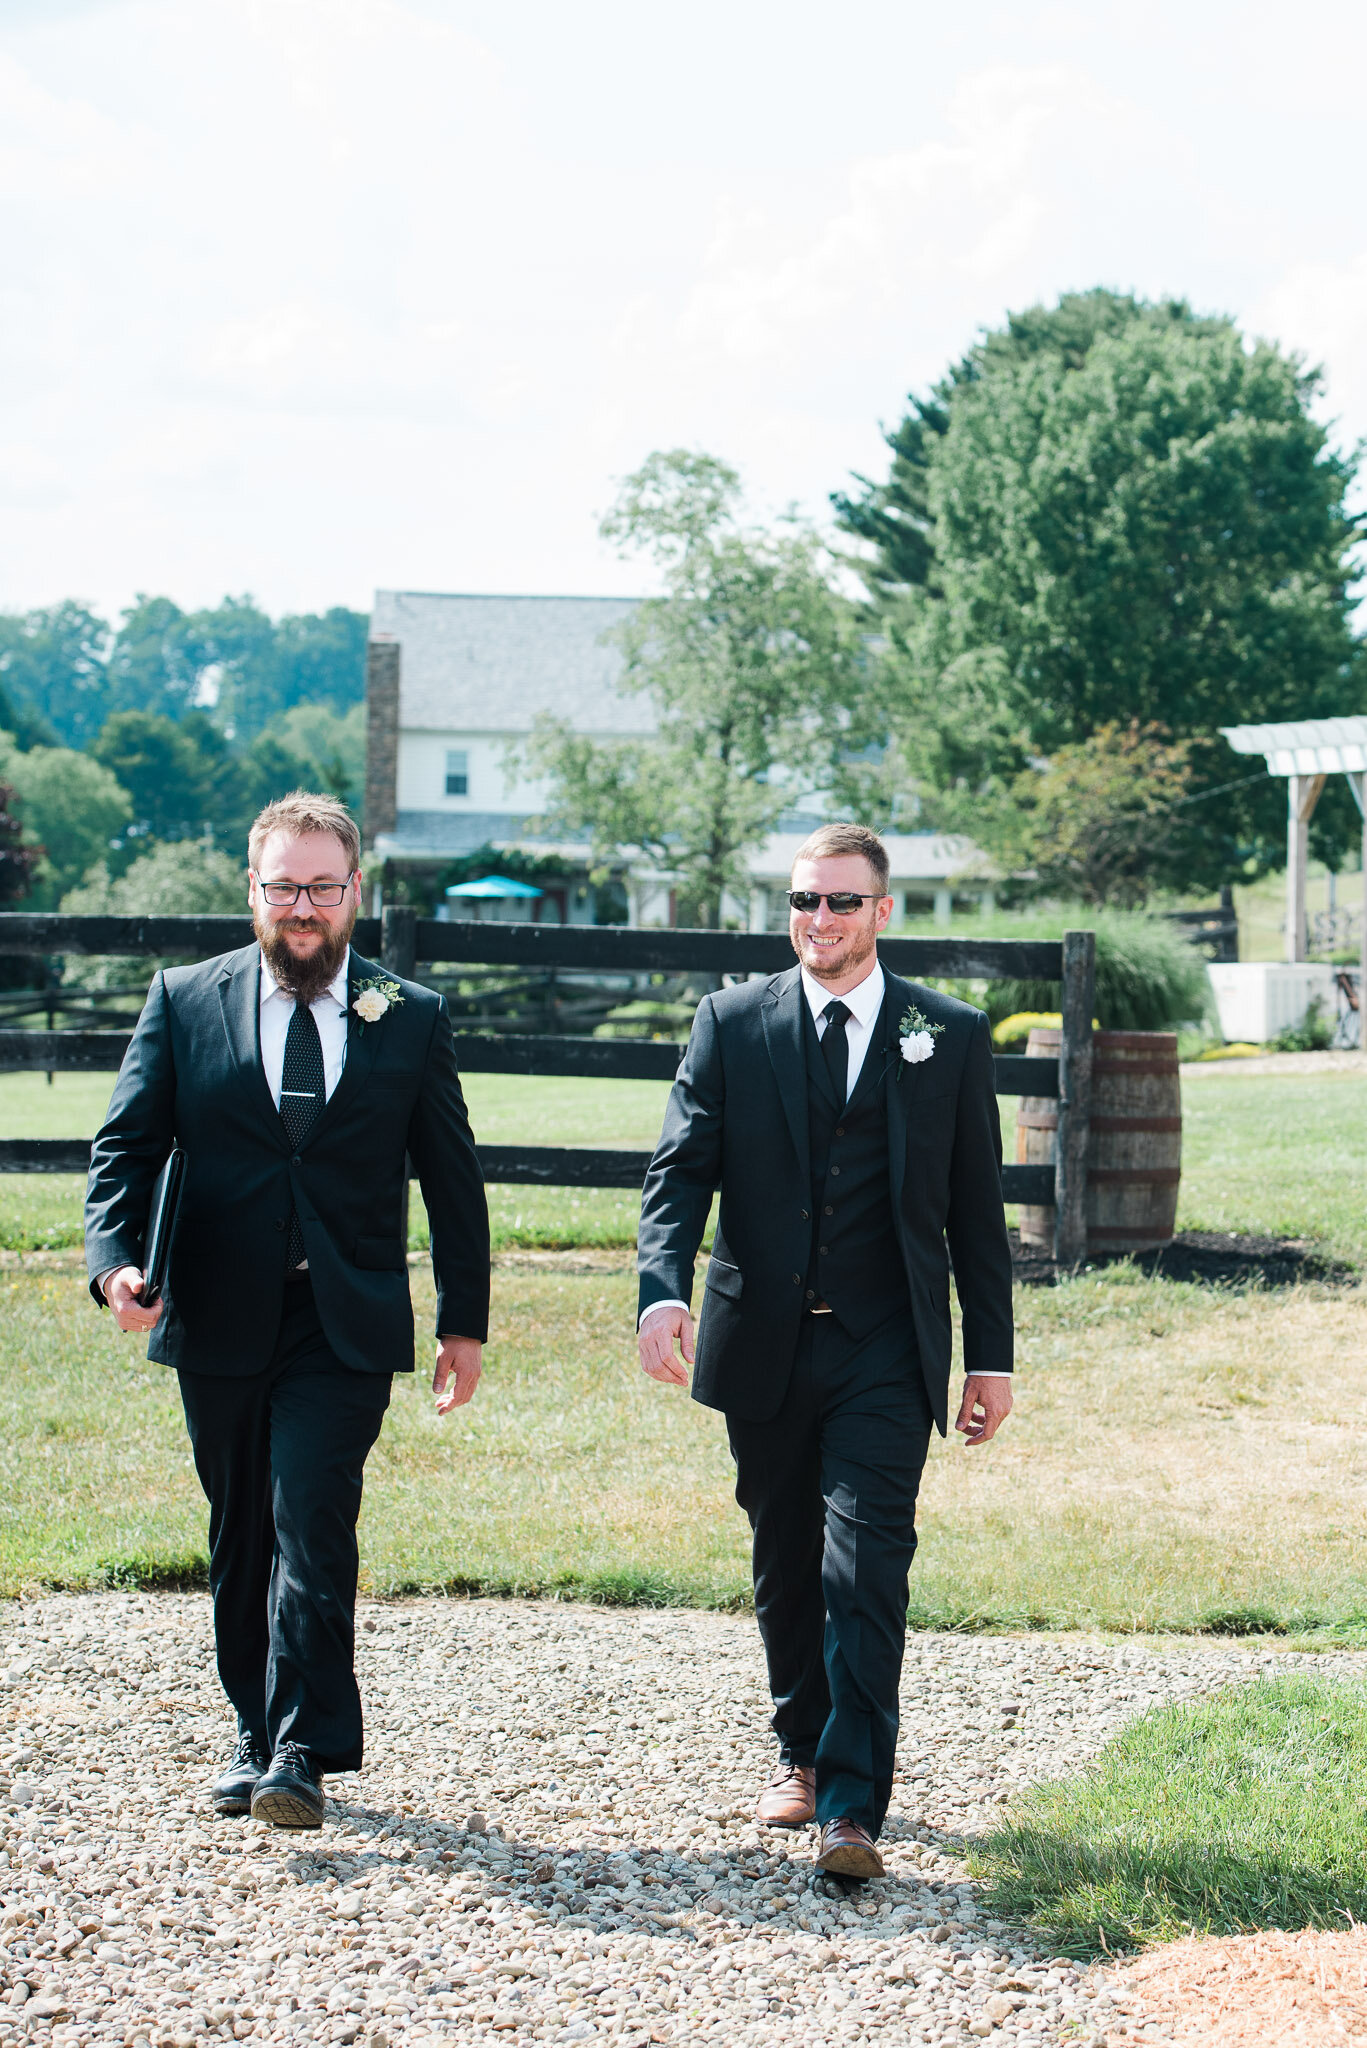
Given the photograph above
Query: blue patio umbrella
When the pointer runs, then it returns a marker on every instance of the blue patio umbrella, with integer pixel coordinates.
(494, 885)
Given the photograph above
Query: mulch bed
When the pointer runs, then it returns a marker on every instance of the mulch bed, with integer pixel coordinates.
(1305, 1990)
(1212, 1258)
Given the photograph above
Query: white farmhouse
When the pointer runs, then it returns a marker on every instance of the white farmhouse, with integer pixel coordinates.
(455, 683)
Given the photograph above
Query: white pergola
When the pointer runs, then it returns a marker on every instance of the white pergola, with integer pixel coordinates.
(1307, 751)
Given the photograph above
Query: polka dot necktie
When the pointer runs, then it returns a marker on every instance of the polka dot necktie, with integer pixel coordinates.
(835, 1048)
(303, 1091)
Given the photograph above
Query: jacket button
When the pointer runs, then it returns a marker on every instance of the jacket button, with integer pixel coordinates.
(823, 1249)
(829, 1210)
(797, 1279)
(811, 1294)
(297, 1161)
(803, 1214)
(834, 1169)
(840, 1130)
(277, 1223)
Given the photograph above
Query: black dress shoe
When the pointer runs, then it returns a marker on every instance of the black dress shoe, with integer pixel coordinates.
(233, 1791)
(290, 1795)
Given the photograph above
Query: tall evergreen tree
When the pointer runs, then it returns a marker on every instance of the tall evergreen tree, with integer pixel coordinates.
(1133, 515)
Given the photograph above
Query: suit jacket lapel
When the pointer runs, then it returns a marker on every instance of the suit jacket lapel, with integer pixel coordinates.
(895, 1001)
(239, 992)
(362, 1044)
(781, 1015)
(875, 1063)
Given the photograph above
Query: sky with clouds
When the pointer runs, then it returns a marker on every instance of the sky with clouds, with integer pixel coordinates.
(302, 297)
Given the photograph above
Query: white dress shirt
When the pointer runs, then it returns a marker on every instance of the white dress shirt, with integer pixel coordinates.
(863, 1002)
(329, 1014)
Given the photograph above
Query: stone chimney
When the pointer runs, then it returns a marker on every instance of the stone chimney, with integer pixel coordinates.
(381, 736)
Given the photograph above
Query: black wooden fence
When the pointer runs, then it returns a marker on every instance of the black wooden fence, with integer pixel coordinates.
(402, 941)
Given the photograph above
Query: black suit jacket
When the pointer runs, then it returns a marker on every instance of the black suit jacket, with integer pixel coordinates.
(737, 1120)
(193, 1076)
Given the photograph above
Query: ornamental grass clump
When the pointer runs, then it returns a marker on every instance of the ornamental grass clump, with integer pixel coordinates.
(1148, 977)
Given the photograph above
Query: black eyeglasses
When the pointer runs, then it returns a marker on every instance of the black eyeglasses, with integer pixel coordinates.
(841, 901)
(322, 895)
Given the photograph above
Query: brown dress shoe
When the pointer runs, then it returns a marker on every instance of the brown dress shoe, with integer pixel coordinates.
(789, 1798)
(846, 1851)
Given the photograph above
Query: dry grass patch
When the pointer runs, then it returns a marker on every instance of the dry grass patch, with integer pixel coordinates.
(1178, 1459)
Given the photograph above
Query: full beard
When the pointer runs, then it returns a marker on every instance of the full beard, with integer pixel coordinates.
(824, 966)
(305, 979)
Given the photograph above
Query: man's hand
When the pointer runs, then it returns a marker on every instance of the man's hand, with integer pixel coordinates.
(655, 1341)
(121, 1291)
(457, 1373)
(984, 1408)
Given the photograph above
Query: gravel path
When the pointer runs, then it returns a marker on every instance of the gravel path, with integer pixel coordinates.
(552, 1842)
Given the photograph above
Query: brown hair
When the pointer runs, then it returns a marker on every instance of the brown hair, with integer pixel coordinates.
(841, 837)
(300, 812)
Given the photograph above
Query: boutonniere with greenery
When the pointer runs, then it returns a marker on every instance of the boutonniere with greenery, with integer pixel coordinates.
(917, 1036)
(375, 998)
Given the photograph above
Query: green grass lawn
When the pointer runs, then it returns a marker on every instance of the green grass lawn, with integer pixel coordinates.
(1281, 1155)
(1278, 1154)
(1238, 1812)
(1179, 1459)
(40, 1211)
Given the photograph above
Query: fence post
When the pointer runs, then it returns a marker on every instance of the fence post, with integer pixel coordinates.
(399, 939)
(1074, 1098)
(399, 953)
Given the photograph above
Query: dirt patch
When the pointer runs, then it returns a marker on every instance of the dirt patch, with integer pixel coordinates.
(1212, 1258)
(1249, 1991)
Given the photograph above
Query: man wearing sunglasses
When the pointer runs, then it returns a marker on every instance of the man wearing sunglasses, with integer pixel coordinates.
(849, 1120)
(296, 1076)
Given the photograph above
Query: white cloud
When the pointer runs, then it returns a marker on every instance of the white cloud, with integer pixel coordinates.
(307, 295)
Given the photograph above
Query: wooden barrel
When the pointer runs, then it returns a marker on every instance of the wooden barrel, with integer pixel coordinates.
(1134, 1151)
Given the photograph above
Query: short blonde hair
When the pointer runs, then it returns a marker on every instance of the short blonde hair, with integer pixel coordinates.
(829, 841)
(304, 811)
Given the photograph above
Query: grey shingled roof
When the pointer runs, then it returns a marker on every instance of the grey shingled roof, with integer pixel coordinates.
(491, 664)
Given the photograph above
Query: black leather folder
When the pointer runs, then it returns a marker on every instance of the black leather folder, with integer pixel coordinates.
(161, 1224)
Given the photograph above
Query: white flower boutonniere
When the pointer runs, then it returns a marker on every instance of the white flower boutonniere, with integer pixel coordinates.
(917, 1035)
(375, 998)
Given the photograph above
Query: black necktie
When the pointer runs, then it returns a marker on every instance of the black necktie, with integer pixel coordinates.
(303, 1091)
(835, 1049)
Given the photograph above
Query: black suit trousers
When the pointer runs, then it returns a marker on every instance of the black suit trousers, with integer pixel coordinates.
(280, 1454)
(830, 1489)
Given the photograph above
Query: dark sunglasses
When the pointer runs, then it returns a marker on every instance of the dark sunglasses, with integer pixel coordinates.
(840, 901)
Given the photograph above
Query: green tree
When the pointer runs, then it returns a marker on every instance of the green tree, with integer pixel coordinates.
(313, 659)
(1105, 822)
(749, 660)
(69, 805)
(328, 749)
(180, 775)
(149, 667)
(17, 861)
(186, 877)
(1132, 515)
(52, 674)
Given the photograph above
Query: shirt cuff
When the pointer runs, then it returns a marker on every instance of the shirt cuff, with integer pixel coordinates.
(988, 1375)
(100, 1279)
(660, 1304)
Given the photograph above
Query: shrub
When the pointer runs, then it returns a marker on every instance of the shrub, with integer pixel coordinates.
(1148, 977)
(1314, 1033)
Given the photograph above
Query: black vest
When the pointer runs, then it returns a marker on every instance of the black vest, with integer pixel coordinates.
(856, 1263)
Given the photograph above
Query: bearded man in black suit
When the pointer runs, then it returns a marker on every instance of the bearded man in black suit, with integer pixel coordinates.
(850, 1121)
(296, 1076)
